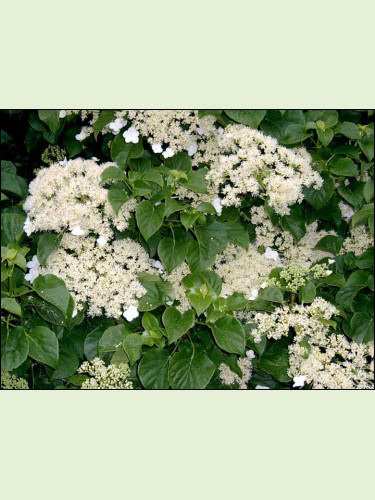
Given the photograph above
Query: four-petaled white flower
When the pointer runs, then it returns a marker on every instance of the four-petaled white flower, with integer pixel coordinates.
(77, 231)
(217, 205)
(117, 125)
(168, 153)
(62, 113)
(192, 149)
(156, 148)
(131, 313)
(271, 254)
(254, 295)
(81, 136)
(346, 211)
(33, 267)
(131, 135)
(261, 387)
(299, 381)
(158, 265)
(102, 241)
(250, 354)
(28, 226)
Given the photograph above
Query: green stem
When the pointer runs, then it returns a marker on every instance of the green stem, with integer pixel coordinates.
(23, 293)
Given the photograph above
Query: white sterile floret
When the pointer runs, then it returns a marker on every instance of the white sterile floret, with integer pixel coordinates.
(102, 241)
(328, 272)
(116, 125)
(158, 265)
(254, 295)
(271, 254)
(217, 205)
(168, 153)
(250, 354)
(331, 261)
(131, 313)
(62, 113)
(33, 267)
(261, 387)
(77, 231)
(34, 263)
(156, 148)
(131, 135)
(192, 149)
(29, 226)
(299, 381)
(85, 132)
(346, 211)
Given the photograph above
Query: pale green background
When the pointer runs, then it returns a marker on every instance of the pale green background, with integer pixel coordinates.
(187, 445)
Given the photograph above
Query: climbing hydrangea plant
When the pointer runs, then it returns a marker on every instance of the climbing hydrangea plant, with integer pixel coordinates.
(186, 249)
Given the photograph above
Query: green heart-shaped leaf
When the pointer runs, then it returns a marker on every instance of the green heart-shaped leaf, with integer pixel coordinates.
(176, 324)
(149, 218)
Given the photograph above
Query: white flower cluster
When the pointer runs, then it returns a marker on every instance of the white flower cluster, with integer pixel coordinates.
(105, 377)
(167, 131)
(269, 235)
(333, 362)
(171, 131)
(69, 195)
(316, 356)
(304, 319)
(243, 270)
(244, 162)
(359, 240)
(103, 277)
(179, 291)
(228, 377)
